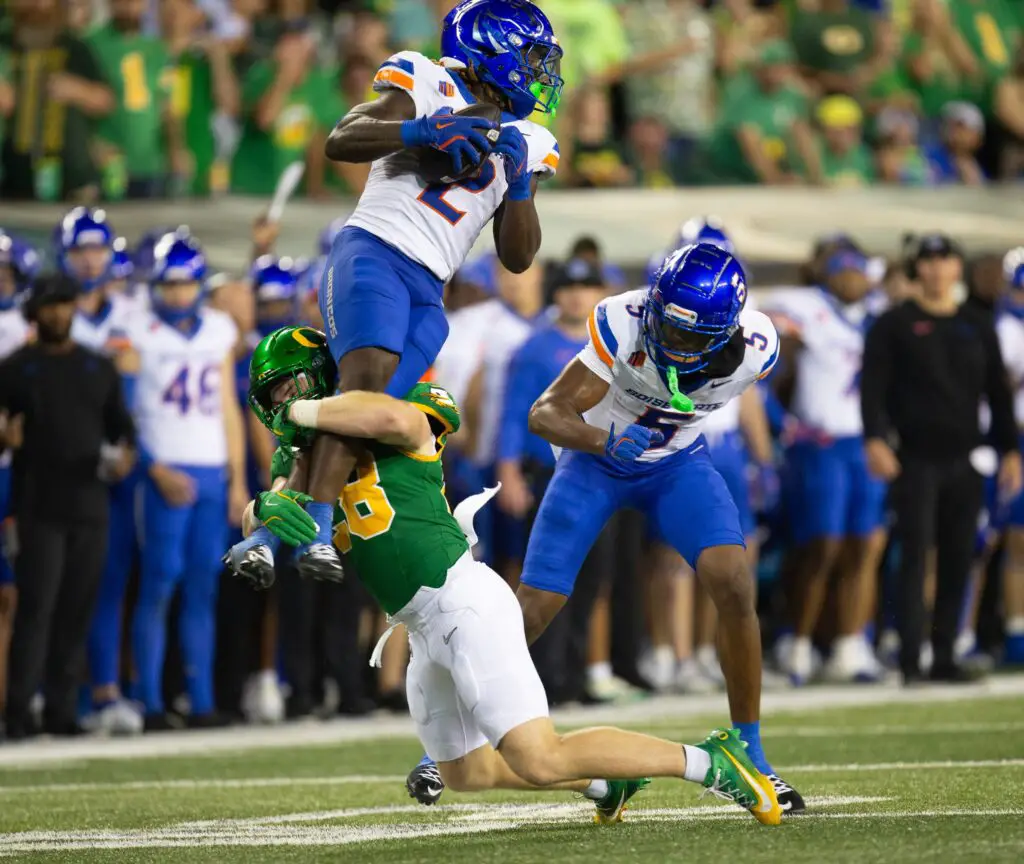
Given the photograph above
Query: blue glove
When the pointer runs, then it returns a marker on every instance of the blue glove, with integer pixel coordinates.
(462, 138)
(633, 443)
(511, 146)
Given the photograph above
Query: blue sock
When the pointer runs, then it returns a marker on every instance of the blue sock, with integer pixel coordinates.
(264, 536)
(751, 734)
(426, 760)
(323, 513)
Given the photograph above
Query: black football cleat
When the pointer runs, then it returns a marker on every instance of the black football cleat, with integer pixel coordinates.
(320, 561)
(424, 782)
(255, 564)
(790, 800)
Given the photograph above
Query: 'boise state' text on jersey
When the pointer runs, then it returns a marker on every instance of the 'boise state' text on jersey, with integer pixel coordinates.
(179, 403)
(826, 398)
(615, 353)
(438, 225)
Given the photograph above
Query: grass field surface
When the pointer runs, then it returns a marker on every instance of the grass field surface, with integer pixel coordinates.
(926, 776)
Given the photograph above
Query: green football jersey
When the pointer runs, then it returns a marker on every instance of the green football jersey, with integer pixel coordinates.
(192, 100)
(393, 520)
(138, 70)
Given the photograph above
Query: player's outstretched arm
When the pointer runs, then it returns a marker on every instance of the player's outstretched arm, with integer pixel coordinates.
(557, 415)
(371, 130)
(362, 414)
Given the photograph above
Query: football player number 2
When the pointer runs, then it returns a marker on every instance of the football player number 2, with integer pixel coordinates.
(199, 391)
(434, 196)
(368, 512)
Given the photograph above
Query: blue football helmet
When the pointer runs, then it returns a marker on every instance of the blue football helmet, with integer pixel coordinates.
(23, 262)
(276, 284)
(79, 231)
(121, 265)
(693, 307)
(510, 45)
(142, 255)
(177, 259)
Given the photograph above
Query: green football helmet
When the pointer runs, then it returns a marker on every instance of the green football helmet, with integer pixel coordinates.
(296, 354)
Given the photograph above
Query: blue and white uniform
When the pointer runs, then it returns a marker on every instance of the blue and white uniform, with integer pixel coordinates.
(834, 495)
(674, 484)
(181, 423)
(386, 271)
(1010, 330)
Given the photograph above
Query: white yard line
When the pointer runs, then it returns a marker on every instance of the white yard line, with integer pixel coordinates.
(657, 710)
(467, 819)
(374, 779)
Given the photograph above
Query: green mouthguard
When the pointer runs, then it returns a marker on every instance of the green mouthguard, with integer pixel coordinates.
(679, 401)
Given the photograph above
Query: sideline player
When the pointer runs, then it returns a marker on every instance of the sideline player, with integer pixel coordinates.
(381, 292)
(1010, 329)
(85, 251)
(628, 411)
(193, 458)
(474, 694)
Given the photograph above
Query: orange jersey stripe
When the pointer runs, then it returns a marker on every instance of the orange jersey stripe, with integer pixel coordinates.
(390, 75)
(595, 338)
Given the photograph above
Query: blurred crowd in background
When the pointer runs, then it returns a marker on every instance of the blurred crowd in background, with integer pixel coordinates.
(107, 99)
(637, 622)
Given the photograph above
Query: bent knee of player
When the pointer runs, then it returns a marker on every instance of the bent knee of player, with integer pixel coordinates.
(725, 574)
(533, 751)
(366, 369)
(539, 609)
(468, 775)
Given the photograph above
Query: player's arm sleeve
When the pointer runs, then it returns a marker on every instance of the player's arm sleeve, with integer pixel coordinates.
(875, 375)
(542, 152)
(117, 421)
(411, 73)
(520, 393)
(598, 355)
(1000, 395)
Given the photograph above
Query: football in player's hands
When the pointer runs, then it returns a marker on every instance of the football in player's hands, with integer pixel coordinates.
(448, 166)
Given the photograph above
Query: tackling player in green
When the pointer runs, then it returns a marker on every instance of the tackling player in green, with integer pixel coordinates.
(477, 701)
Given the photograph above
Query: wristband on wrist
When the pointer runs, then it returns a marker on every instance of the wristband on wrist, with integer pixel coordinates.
(304, 412)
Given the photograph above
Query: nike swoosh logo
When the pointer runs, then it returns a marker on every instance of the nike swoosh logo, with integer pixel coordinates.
(434, 791)
(445, 125)
(447, 639)
(765, 805)
(715, 384)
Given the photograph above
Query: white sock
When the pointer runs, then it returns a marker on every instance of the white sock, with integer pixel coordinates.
(599, 672)
(1015, 626)
(596, 790)
(698, 763)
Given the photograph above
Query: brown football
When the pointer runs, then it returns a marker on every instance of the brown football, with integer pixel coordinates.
(435, 166)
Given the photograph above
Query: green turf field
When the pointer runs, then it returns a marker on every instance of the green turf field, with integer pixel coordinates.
(931, 781)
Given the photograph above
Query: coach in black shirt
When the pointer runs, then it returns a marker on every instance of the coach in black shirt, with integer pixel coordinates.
(928, 366)
(69, 399)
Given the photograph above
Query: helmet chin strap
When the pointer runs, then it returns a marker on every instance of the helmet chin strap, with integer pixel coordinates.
(679, 401)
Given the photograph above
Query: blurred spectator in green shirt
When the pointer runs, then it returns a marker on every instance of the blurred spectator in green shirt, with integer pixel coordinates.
(835, 45)
(678, 88)
(354, 86)
(845, 159)
(6, 99)
(287, 104)
(936, 59)
(592, 35)
(763, 134)
(1007, 127)
(651, 155)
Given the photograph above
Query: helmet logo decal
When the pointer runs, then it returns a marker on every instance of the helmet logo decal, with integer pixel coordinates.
(303, 340)
(680, 314)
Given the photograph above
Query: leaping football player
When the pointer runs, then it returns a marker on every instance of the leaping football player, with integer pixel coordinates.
(475, 696)
(380, 294)
(629, 412)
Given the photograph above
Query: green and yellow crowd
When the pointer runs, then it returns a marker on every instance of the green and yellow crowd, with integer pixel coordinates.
(113, 99)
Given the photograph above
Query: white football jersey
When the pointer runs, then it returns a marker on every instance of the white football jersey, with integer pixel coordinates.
(507, 332)
(826, 396)
(437, 225)
(14, 330)
(1010, 330)
(179, 400)
(106, 332)
(615, 353)
(727, 418)
(463, 350)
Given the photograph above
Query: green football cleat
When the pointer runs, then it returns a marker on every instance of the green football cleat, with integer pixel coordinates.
(733, 777)
(611, 807)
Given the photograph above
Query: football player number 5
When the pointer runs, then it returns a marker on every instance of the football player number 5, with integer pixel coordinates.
(368, 512)
(433, 196)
